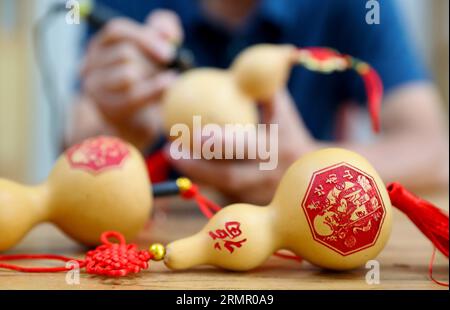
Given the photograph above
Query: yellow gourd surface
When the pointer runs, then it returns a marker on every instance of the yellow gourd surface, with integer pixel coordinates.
(331, 208)
(100, 184)
(228, 96)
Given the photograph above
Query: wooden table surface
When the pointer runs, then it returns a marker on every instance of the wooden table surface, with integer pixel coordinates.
(403, 263)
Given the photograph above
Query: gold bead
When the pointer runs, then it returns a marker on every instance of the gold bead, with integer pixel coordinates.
(85, 8)
(158, 251)
(362, 68)
(184, 184)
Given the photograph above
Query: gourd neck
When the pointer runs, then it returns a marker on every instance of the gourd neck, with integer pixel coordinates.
(21, 208)
(281, 229)
(189, 252)
(277, 229)
(38, 196)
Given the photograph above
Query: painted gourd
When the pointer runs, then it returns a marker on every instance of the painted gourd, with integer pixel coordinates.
(100, 184)
(228, 96)
(331, 208)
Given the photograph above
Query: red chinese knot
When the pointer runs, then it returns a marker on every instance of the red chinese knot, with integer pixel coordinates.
(344, 208)
(116, 259)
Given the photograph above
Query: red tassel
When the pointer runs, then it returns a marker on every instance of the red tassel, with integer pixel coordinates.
(432, 221)
(158, 166)
(374, 90)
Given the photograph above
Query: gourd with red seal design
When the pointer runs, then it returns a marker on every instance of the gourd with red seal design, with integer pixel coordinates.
(331, 208)
(100, 184)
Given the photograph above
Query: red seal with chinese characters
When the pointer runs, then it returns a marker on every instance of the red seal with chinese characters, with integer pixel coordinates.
(97, 154)
(344, 208)
(229, 237)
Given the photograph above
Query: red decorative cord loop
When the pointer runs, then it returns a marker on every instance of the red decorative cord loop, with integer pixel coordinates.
(430, 270)
(327, 60)
(104, 238)
(38, 257)
(206, 206)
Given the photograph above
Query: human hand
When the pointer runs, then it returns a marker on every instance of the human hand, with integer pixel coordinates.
(243, 180)
(124, 71)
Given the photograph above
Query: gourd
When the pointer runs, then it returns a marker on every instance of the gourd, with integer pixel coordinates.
(331, 208)
(100, 184)
(230, 96)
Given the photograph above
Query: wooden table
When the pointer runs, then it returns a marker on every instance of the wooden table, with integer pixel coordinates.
(403, 263)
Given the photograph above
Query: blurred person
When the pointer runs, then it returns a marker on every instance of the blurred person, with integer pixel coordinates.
(123, 78)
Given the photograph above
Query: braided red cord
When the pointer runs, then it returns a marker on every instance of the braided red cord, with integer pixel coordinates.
(430, 270)
(38, 257)
(326, 60)
(206, 206)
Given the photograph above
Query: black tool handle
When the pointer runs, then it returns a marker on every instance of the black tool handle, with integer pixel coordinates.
(163, 189)
(101, 14)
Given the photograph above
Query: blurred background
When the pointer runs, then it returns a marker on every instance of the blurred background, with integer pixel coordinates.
(26, 150)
